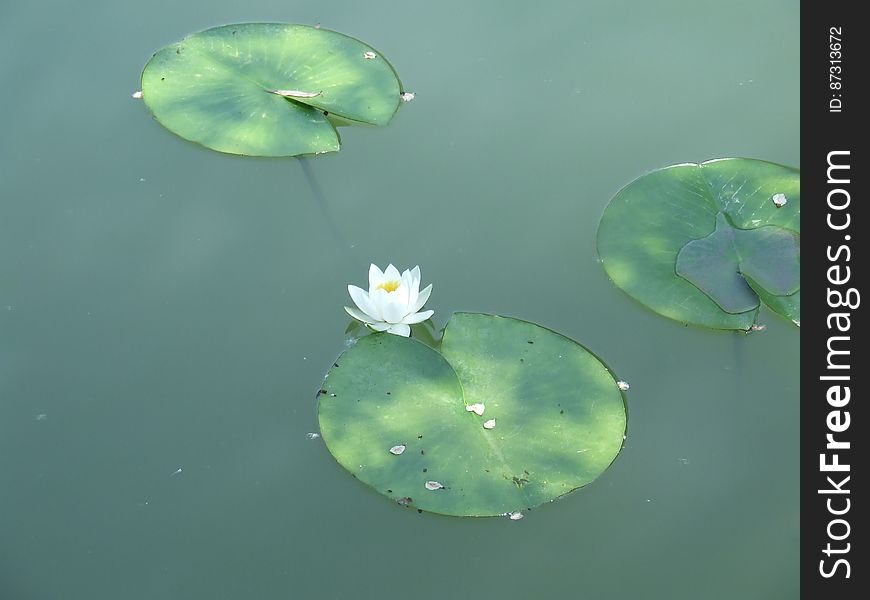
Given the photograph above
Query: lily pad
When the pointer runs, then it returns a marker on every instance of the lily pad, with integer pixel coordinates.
(268, 89)
(561, 416)
(722, 263)
(707, 243)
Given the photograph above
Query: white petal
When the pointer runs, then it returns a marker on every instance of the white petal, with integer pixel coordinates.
(421, 299)
(400, 297)
(477, 408)
(406, 290)
(391, 273)
(414, 289)
(418, 317)
(379, 326)
(358, 315)
(400, 329)
(393, 310)
(379, 298)
(363, 301)
(376, 277)
(294, 93)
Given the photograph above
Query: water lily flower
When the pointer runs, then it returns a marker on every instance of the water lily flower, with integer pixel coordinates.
(393, 301)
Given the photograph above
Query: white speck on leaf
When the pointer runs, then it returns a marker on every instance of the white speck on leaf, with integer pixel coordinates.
(477, 408)
(312, 436)
(407, 96)
(294, 93)
(137, 95)
(397, 450)
(779, 200)
(489, 424)
(515, 516)
(433, 485)
(623, 385)
(369, 55)
(758, 327)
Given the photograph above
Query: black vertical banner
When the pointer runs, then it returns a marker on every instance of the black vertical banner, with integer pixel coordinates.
(834, 223)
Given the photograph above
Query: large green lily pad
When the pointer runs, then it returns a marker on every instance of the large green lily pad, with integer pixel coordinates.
(560, 417)
(708, 243)
(722, 264)
(268, 89)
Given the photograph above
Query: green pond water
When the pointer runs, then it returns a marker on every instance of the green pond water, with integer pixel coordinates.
(167, 313)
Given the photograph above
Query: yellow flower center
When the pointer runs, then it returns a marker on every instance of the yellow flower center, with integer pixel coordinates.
(390, 286)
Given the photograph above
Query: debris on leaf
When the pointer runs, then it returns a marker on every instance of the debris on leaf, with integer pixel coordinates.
(137, 95)
(515, 516)
(407, 96)
(294, 93)
(433, 485)
(477, 408)
(757, 327)
(397, 450)
(312, 436)
(404, 501)
(369, 55)
(779, 200)
(489, 424)
(623, 385)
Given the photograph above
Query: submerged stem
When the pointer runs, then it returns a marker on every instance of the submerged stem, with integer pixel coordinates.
(320, 200)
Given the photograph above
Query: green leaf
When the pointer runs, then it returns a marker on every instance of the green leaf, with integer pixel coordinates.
(559, 416)
(721, 263)
(705, 243)
(787, 306)
(262, 89)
